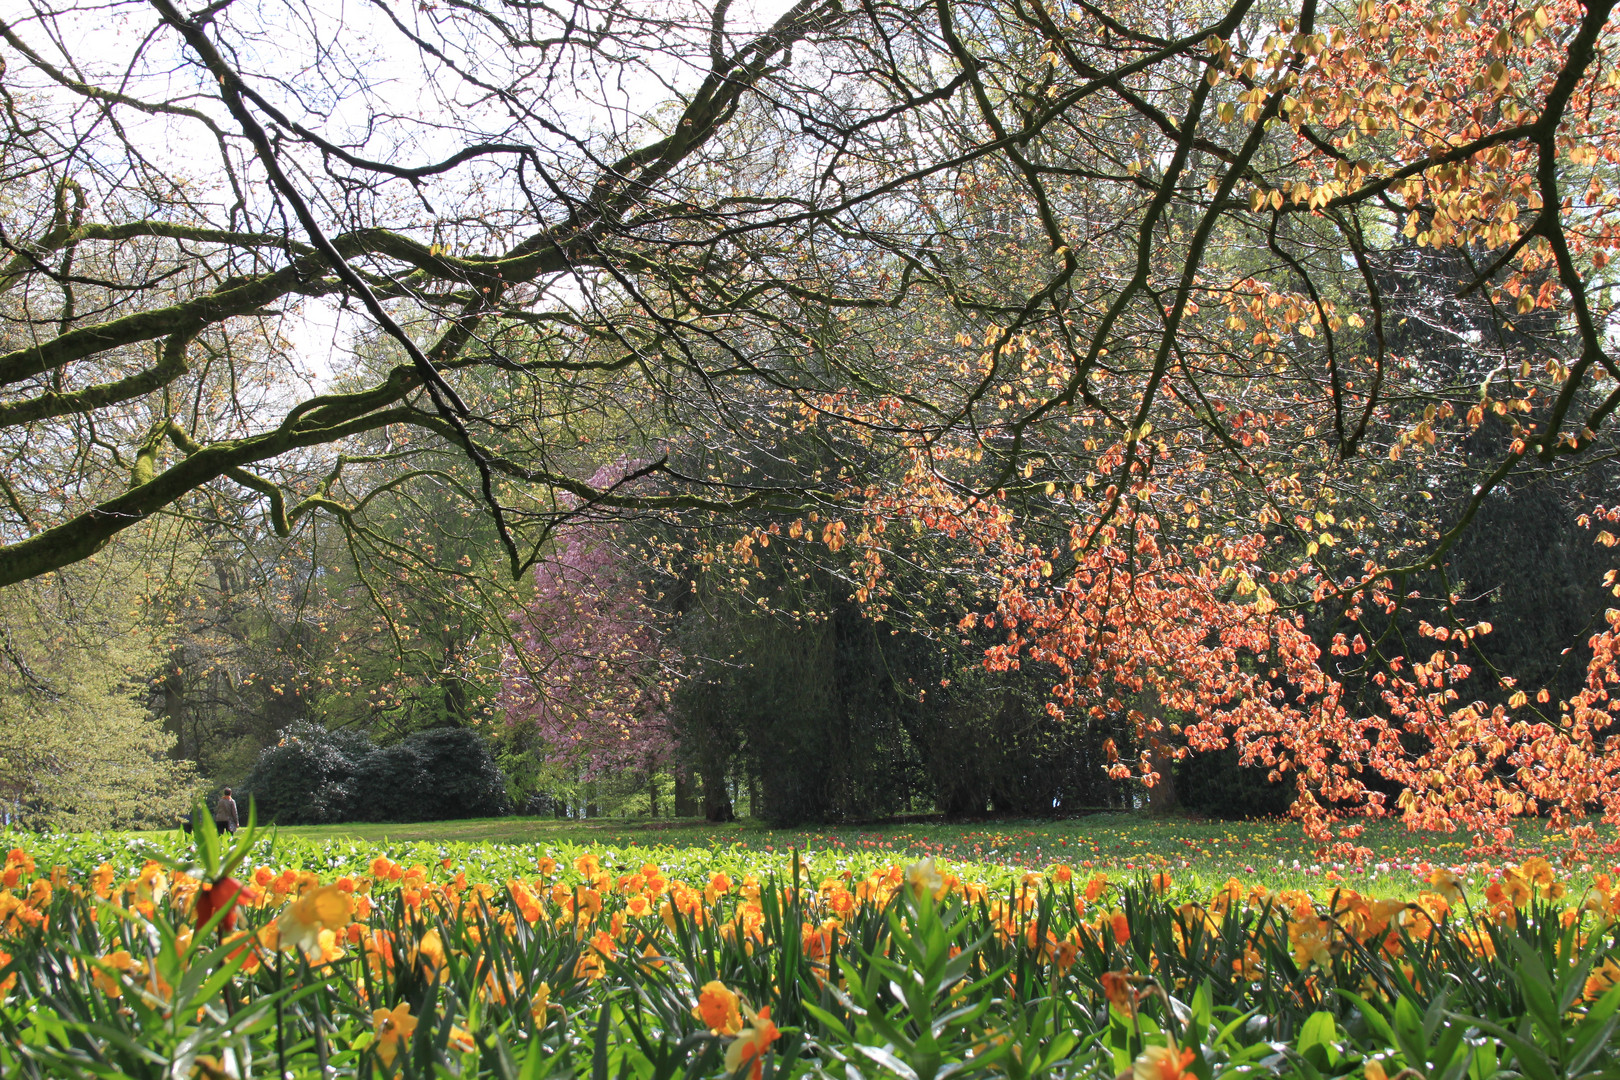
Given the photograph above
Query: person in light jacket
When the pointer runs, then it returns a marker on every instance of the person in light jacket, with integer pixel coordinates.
(225, 813)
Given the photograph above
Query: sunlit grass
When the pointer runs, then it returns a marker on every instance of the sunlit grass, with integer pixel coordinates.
(1274, 852)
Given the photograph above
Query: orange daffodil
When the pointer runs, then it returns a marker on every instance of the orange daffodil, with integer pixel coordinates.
(723, 1013)
(752, 1043)
(1604, 976)
(718, 1008)
(1119, 987)
(623, 918)
(1124, 989)
(430, 953)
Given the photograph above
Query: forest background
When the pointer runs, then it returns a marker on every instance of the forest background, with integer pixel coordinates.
(837, 412)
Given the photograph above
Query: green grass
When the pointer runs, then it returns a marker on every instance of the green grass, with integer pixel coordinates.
(1271, 852)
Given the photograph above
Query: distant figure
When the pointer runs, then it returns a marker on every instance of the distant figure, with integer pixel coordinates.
(225, 813)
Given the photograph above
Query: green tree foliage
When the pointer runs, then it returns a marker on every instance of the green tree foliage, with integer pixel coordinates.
(388, 626)
(79, 747)
(827, 707)
(1218, 785)
(806, 704)
(1140, 267)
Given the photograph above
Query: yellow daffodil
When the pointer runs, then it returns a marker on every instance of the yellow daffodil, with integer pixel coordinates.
(299, 926)
(541, 1005)
(392, 1027)
(921, 878)
(1448, 885)
(104, 972)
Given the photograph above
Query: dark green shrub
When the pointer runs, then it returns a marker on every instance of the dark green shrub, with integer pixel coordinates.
(315, 777)
(307, 778)
(434, 775)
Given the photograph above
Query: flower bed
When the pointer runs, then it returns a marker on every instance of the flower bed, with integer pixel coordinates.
(218, 963)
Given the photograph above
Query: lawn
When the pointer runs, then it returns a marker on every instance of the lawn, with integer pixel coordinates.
(1273, 852)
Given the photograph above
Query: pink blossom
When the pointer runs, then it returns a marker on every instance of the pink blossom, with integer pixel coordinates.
(589, 667)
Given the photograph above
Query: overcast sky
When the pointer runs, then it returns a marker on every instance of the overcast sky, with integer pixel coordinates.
(371, 88)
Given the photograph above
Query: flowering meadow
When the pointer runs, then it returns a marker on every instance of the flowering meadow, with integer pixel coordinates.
(1199, 853)
(151, 957)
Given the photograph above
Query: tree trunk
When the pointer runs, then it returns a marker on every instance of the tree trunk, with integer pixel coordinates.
(716, 799)
(174, 706)
(1162, 797)
(686, 804)
(453, 688)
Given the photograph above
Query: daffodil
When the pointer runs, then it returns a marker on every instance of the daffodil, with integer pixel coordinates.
(104, 972)
(719, 885)
(299, 926)
(922, 878)
(717, 1007)
(540, 1007)
(101, 881)
(209, 1067)
(752, 1043)
(392, 1027)
(1448, 885)
(1310, 944)
(1602, 978)
(1119, 989)
(430, 953)
(1161, 1063)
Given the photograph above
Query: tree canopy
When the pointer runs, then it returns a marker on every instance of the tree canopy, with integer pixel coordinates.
(1194, 337)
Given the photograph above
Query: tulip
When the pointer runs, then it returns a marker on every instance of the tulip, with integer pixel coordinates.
(220, 896)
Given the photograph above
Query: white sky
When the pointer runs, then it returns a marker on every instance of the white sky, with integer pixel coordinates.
(370, 69)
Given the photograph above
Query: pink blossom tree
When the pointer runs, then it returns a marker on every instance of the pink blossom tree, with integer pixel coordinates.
(588, 667)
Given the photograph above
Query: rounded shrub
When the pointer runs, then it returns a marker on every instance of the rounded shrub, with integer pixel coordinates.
(433, 775)
(314, 777)
(307, 778)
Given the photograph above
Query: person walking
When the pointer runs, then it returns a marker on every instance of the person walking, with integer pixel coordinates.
(225, 813)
